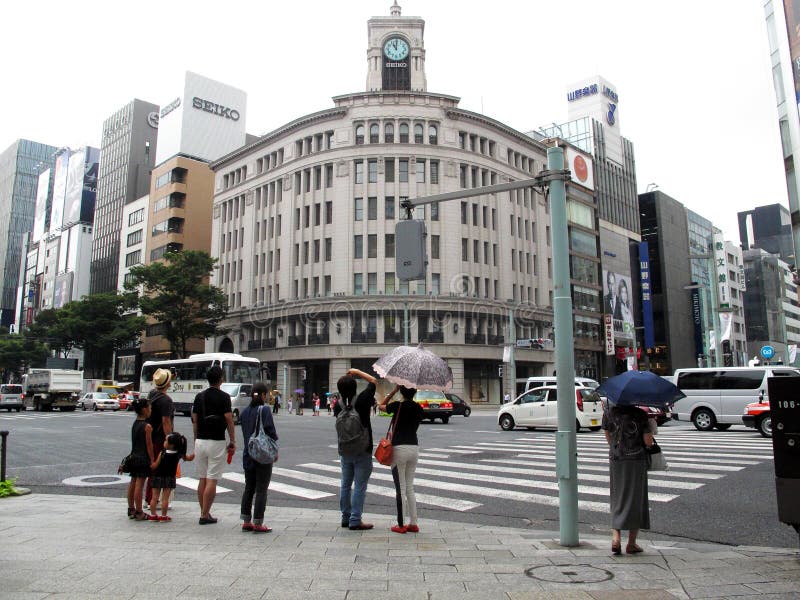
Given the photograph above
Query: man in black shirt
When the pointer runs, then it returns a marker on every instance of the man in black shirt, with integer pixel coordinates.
(356, 469)
(211, 416)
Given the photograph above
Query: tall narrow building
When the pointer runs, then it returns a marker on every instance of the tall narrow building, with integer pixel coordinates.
(128, 155)
(20, 165)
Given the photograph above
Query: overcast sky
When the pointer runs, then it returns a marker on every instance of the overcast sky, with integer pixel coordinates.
(693, 78)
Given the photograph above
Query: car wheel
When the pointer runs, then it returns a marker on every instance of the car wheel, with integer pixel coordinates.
(704, 419)
(764, 425)
(506, 422)
(94, 407)
(19, 409)
(577, 426)
(467, 411)
(723, 426)
(83, 406)
(596, 428)
(445, 420)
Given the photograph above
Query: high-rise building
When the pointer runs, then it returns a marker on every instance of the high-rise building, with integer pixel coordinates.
(304, 231)
(128, 154)
(20, 167)
(769, 228)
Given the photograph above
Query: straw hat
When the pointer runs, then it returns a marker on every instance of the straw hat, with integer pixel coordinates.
(161, 378)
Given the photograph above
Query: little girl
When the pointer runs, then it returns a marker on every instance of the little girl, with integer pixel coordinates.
(165, 468)
(142, 451)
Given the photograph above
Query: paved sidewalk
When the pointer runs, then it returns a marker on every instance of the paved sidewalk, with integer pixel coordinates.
(56, 546)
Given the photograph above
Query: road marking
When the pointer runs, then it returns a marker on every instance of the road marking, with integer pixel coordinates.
(603, 468)
(452, 450)
(476, 490)
(192, 483)
(451, 503)
(284, 488)
(434, 455)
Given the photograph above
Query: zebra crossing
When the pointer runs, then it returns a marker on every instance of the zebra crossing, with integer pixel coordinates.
(31, 415)
(522, 469)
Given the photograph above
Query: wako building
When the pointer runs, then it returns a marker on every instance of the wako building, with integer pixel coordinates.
(304, 230)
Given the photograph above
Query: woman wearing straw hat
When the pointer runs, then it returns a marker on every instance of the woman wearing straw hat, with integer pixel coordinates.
(162, 413)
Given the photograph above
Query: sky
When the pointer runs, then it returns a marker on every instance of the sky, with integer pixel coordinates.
(693, 78)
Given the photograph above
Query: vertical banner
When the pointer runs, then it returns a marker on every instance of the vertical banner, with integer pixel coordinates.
(647, 295)
(697, 321)
(608, 320)
(720, 274)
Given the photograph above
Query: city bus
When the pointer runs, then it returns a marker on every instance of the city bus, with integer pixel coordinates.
(189, 376)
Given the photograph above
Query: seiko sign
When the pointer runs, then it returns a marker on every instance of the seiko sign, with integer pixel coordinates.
(216, 109)
(170, 107)
(400, 65)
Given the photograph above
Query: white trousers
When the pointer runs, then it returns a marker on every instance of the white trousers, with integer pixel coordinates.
(404, 467)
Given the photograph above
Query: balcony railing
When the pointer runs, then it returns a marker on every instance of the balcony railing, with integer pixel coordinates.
(432, 337)
(363, 337)
(475, 338)
(296, 340)
(320, 338)
(495, 340)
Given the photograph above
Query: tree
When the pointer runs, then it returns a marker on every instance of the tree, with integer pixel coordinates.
(177, 296)
(17, 353)
(99, 324)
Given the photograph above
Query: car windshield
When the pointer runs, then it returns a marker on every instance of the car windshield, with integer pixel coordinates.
(427, 395)
(101, 396)
(11, 389)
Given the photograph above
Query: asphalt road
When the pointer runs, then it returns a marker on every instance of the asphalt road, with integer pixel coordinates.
(720, 486)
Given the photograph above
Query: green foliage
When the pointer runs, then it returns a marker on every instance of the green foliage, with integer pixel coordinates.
(178, 297)
(98, 324)
(7, 488)
(18, 352)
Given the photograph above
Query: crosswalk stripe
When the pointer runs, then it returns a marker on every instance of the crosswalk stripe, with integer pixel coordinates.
(603, 468)
(434, 455)
(668, 443)
(284, 488)
(479, 491)
(192, 483)
(683, 485)
(451, 503)
(547, 456)
(452, 450)
(742, 459)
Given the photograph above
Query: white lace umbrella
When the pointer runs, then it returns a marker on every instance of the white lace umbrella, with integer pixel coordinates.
(415, 367)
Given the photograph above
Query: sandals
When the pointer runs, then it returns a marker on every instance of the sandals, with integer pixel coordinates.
(616, 548)
(633, 549)
(131, 512)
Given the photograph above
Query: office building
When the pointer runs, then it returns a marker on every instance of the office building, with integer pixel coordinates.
(304, 230)
(205, 120)
(128, 154)
(769, 228)
(20, 166)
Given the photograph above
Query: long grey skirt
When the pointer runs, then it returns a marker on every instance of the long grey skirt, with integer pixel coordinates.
(630, 508)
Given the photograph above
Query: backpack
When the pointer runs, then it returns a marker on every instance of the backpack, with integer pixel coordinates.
(260, 447)
(353, 436)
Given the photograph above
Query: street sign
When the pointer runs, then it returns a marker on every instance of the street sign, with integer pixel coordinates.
(767, 352)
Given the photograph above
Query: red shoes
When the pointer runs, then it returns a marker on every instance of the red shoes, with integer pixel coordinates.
(412, 528)
(247, 527)
(405, 528)
(399, 529)
(261, 529)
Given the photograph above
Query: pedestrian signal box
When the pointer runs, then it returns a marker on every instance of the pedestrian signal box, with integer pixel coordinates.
(411, 260)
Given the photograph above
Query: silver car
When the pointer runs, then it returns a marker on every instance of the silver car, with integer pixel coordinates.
(98, 401)
(240, 397)
(11, 396)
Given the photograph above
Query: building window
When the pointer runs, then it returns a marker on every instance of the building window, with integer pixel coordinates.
(359, 134)
(434, 246)
(372, 245)
(403, 133)
(316, 251)
(420, 168)
(328, 212)
(372, 208)
(464, 213)
(372, 283)
(389, 245)
(465, 249)
(403, 170)
(433, 136)
(418, 134)
(388, 174)
(434, 171)
(133, 258)
(358, 284)
(136, 217)
(389, 207)
(372, 171)
(328, 176)
(358, 214)
(434, 211)
(358, 246)
(135, 237)
(388, 284)
(374, 133)
(328, 249)
(388, 133)
(359, 171)
(435, 284)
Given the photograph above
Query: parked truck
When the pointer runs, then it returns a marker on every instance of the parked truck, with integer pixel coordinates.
(46, 389)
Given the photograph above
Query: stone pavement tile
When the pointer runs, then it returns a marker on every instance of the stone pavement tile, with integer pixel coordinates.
(476, 595)
(65, 584)
(25, 595)
(549, 595)
(448, 577)
(718, 591)
(586, 587)
(280, 594)
(85, 596)
(406, 595)
(400, 585)
(324, 584)
(776, 587)
(642, 594)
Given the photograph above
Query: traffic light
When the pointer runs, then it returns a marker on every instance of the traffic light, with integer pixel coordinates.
(411, 258)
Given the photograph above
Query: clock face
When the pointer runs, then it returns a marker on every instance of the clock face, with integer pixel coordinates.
(395, 49)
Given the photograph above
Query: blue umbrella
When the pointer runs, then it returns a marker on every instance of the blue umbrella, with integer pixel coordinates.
(640, 388)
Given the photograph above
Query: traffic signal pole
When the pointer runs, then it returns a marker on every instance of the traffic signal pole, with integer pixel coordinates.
(566, 447)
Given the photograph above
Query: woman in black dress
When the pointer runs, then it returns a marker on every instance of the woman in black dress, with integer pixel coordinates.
(629, 432)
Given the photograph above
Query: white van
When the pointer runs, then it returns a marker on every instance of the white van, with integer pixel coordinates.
(534, 382)
(716, 397)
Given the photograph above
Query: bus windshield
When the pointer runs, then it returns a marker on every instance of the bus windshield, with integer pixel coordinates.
(239, 371)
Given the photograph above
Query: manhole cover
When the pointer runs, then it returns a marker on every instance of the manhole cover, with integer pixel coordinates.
(569, 574)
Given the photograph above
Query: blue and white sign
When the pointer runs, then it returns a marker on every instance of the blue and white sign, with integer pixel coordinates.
(767, 352)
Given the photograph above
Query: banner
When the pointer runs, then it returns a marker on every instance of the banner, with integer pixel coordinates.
(725, 325)
(617, 301)
(647, 295)
(697, 321)
(608, 323)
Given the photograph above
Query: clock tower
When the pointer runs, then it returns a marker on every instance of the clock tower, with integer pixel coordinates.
(396, 53)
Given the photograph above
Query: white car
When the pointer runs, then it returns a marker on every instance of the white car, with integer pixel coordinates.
(538, 408)
(98, 401)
